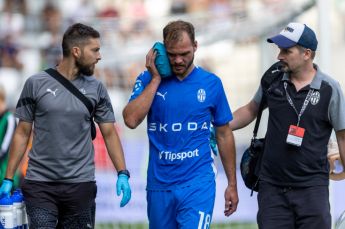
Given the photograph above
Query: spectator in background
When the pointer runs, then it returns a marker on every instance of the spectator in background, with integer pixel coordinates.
(109, 12)
(12, 18)
(197, 6)
(138, 15)
(180, 110)
(7, 127)
(178, 7)
(59, 187)
(219, 9)
(9, 54)
(51, 52)
(78, 10)
(11, 68)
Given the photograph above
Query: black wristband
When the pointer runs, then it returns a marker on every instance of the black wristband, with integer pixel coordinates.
(125, 172)
(9, 179)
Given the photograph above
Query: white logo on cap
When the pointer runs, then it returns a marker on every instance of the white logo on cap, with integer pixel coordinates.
(289, 29)
(293, 31)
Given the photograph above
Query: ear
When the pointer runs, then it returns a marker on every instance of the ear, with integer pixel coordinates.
(307, 54)
(195, 45)
(76, 52)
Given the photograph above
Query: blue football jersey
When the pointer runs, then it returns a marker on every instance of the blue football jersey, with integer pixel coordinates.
(178, 127)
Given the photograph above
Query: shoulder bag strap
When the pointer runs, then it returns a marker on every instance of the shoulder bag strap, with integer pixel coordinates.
(273, 74)
(258, 117)
(69, 86)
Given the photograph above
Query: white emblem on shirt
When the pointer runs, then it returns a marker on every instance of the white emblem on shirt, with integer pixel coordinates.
(162, 95)
(315, 98)
(52, 92)
(201, 95)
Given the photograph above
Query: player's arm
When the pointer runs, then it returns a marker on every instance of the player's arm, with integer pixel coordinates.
(115, 151)
(227, 152)
(113, 145)
(18, 147)
(136, 110)
(244, 115)
(341, 144)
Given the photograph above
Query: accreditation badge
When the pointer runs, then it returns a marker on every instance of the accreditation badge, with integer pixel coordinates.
(295, 135)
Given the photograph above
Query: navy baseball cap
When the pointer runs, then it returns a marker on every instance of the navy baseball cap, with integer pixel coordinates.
(295, 34)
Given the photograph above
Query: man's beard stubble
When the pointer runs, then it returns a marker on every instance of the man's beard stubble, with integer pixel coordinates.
(187, 66)
(84, 69)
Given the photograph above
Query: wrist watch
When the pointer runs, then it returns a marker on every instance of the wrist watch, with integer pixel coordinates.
(125, 172)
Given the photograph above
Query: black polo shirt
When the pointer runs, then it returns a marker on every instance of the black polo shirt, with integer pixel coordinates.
(307, 165)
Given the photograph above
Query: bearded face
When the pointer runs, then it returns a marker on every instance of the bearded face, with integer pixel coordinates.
(89, 57)
(84, 68)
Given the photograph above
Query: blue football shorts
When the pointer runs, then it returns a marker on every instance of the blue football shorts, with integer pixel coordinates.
(183, 208)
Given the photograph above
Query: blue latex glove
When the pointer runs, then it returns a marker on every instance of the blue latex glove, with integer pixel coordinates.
(213, 141)
(162, 61)
(6, 187)
(123, 185)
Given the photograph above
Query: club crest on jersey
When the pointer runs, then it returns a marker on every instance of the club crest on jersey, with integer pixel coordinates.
(315, 97)
(137, 85)
(201, 95)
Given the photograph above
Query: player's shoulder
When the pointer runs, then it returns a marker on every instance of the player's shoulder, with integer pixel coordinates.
(205, 74)
(144, 78)
(38, 77)
(90, 80)
(327, 79)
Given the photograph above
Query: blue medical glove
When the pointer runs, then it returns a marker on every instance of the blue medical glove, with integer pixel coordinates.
(6, 187)
(213, 141)
(123, 185)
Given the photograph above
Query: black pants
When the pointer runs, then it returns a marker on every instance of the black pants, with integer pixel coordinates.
(293, 208)
(60, 205)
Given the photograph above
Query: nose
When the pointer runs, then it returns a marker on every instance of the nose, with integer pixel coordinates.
(280, 56)
(178, 60)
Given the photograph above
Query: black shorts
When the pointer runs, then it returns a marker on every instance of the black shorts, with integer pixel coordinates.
(60, 205)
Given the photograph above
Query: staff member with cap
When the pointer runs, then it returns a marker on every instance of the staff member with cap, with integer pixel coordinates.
(304, 105)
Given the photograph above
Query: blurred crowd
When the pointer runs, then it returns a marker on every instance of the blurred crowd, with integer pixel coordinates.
(31, 30)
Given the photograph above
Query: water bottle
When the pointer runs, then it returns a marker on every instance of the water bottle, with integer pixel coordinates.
(24, 218)
(7, 219)
(18, 208)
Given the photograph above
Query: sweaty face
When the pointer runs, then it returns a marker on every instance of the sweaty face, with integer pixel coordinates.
(181, 55)
(89, 57)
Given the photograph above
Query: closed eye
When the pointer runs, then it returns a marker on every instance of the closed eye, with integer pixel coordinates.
(177, 54)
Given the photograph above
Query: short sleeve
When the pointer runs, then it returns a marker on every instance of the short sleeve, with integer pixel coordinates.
(337, 108)
(25, 109)
(140, 83)
(104, 110)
